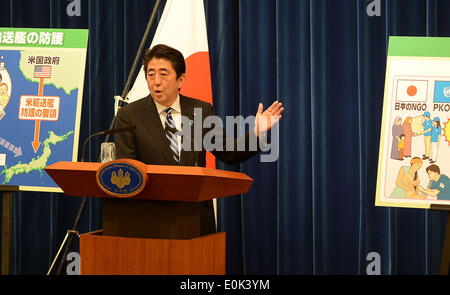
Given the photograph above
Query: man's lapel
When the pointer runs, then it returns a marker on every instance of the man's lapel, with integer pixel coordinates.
(152, 122)
(187, 110)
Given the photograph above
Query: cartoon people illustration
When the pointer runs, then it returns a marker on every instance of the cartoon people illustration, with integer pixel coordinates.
(407, 131)
(401, 146)
(5, 87)
(408, 181)
(396, 132)
(439, 184)
(435, 136)
(1, 106)
(4, 97)
(427, 126)
(3, 102)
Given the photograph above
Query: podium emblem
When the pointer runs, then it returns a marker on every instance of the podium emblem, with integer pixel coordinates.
(121, 178)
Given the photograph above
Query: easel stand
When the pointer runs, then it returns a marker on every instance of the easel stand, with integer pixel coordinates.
(7, 192)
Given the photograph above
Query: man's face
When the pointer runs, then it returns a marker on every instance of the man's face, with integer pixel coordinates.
(162, 81)
(433, 175)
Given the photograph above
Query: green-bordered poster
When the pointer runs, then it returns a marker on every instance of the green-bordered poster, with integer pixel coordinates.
(414, 156)
(41, 85)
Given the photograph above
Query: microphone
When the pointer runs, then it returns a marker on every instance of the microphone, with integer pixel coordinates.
(105, 132)
(179, 133)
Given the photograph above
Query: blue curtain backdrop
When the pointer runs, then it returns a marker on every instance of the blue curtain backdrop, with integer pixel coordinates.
(312, 211)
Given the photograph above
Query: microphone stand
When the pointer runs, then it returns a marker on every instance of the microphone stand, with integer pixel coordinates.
(71, 232)
(132, 74)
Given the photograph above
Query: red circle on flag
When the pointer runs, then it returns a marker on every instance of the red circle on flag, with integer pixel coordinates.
(412, 90)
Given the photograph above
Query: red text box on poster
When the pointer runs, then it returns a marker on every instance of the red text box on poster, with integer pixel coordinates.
(43, 108)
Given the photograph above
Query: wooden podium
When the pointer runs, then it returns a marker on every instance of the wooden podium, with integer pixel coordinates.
(131, 241)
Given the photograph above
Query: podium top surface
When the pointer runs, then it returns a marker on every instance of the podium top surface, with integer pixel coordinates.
(170, 183)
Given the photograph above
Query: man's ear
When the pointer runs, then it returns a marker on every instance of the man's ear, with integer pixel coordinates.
(181, 80)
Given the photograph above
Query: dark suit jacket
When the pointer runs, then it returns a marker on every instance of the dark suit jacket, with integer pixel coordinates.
(149, 144)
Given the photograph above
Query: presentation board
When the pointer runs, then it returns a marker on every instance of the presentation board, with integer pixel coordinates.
(41, 87)
(414, 155)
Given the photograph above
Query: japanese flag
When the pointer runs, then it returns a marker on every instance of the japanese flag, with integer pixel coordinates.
(183, 27)
(412, 90)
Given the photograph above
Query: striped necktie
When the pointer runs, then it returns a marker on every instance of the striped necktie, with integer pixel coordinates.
(173, 140)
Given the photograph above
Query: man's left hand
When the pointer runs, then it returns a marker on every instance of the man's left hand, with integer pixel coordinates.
(265, 120)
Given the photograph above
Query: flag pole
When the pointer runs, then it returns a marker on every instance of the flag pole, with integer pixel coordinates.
(141, 48)
(125, 91)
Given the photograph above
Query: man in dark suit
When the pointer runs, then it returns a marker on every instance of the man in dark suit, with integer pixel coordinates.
(158, 120)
